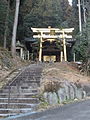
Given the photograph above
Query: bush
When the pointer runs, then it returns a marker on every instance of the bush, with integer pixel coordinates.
(52, 86)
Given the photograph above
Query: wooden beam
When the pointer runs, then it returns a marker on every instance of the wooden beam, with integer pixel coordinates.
(52, 36)
(47, 30)
(64, 47)
(40, 51)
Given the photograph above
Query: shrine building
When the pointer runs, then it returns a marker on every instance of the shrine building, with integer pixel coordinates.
(53, 43)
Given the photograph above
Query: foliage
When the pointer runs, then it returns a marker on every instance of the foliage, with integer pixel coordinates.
(34, 13)
(52, 86)
(80, 47)
(3, 8)
(47, 13)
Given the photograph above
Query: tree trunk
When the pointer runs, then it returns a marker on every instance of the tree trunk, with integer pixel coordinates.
(6, 24)
(13, 47)
(88, 37)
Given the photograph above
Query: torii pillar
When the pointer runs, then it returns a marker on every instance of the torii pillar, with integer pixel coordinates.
(40, 51)
(64, 47)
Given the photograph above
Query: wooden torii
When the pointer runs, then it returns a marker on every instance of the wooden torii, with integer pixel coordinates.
(52, 34)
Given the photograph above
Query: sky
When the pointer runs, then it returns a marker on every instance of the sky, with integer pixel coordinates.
(70, 1)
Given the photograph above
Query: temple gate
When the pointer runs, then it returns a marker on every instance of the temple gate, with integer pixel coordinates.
(51, 36)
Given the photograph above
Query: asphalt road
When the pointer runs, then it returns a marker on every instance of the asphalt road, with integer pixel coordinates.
(75, 111)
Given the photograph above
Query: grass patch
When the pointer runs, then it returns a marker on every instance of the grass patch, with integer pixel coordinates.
(68, 101)
(43, 105)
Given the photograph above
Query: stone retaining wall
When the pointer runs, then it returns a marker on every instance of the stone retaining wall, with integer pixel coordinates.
(68, 91)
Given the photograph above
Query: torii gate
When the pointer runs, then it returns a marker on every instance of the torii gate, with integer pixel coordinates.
(51, 34)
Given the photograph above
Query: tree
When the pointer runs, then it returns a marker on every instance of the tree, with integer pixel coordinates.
(44, 13)
(66, 13)
(15, 27)
(82, 45)
(3, 11)
(88, 37)
(6, 23)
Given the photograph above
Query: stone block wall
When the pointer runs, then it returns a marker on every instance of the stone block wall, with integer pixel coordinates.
(69, 91)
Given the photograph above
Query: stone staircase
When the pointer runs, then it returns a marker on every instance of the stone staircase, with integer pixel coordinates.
(20, 96)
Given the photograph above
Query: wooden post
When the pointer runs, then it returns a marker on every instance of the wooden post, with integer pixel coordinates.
(64, 47)
(74, 57)
(21, 52)
(23, 56)
(40, 51)
(61, 56)
(28, 55)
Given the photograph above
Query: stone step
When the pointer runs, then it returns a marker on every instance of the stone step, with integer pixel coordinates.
(31, 104)
(22, 85)
(25, 75)
(29, 76)
(16, 90)
(28, 90)
(33, 81)
(33, 86)
(23, 95)
(18, 94)
(2, 115)
(19, 100)
(18, 110)
(16, 105)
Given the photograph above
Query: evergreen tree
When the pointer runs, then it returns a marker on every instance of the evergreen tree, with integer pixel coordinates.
(88, 31)
(44, 13)
(3, 11)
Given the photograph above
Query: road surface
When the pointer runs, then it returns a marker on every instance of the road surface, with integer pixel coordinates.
(77, 111)
(74, 111)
